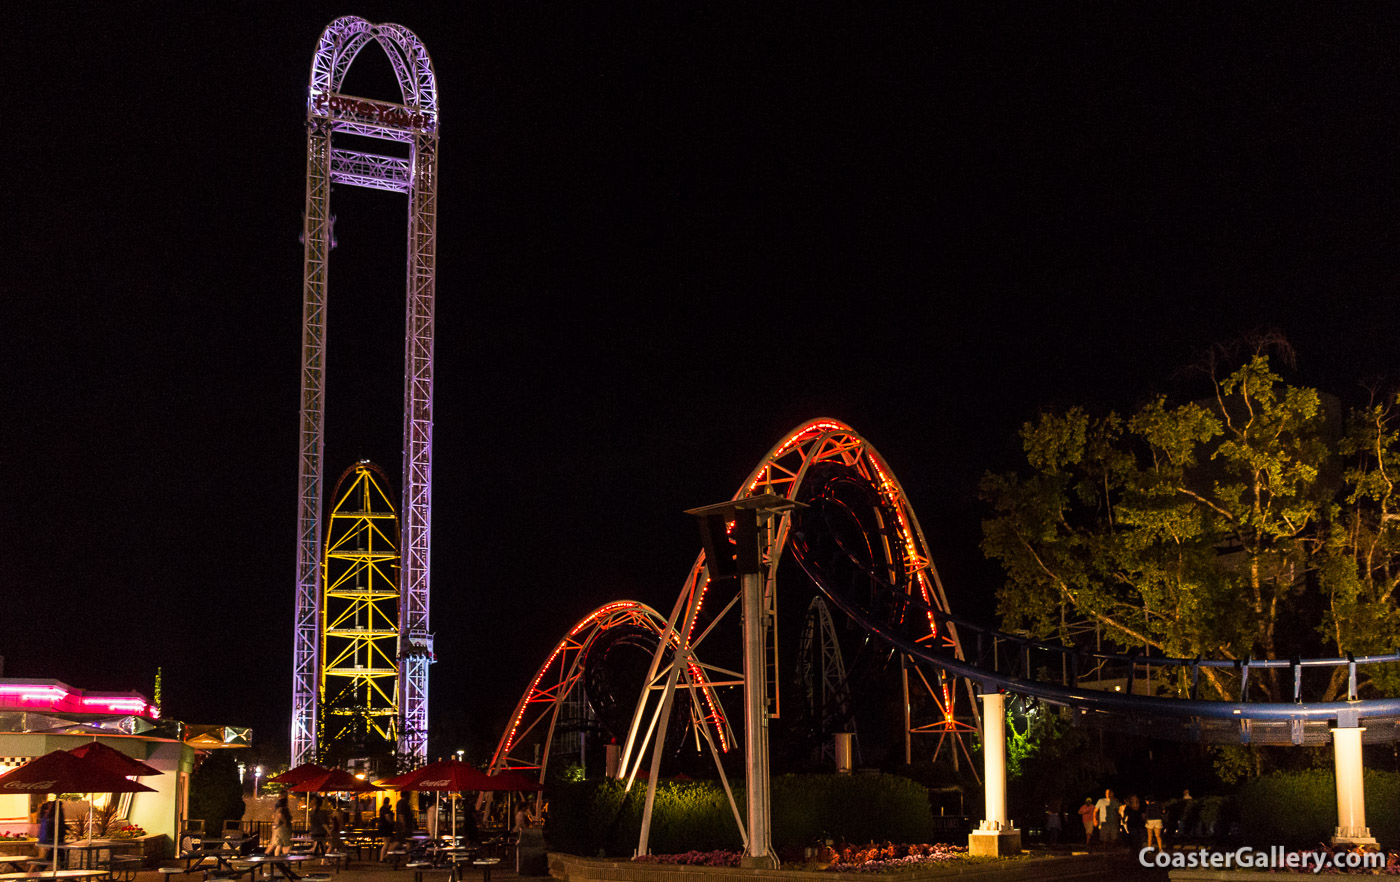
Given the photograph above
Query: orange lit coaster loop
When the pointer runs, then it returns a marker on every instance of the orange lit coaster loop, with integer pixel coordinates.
(559, 682)
(888, 547)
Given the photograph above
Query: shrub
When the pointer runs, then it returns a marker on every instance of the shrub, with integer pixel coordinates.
(216, 795)
(589, 817)
(849, 808)
(1299, 809)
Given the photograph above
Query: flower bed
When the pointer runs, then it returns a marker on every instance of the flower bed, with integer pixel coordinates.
(129, 831)
(874, 858)
(693, 858)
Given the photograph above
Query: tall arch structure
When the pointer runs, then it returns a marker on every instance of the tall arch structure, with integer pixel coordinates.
(413, 122)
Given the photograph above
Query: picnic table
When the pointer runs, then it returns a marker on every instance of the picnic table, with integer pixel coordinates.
(86, 854)
(282, 863)
(49, 874)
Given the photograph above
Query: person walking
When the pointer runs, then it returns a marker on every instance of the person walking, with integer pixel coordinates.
(1154, 819)
(387, 830)
(1086, 817)
(281, 842)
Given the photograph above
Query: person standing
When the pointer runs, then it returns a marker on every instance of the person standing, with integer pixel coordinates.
(46, 835)
(1053, 823)
(1108, 819)
(1134, 820)
(337, 822)
(317, 827)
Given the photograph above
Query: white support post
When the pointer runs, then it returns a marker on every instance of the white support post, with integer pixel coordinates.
(1351, 794)
(996, 835)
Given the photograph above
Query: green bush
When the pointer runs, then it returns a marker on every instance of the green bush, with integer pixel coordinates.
(1299, 809)
(853, 808)
(589, 817)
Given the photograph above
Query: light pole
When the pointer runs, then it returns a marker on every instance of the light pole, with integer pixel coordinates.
(741, 551)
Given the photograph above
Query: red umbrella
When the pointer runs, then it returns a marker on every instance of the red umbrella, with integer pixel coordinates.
(299, 774)
(62, 772)
(334, 781)
(113, 760)
(443, 775)
(510, 779)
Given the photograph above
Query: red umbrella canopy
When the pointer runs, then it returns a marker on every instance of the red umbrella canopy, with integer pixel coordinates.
(334, 781)
(62, 772)
(113, 760)
(442, 775)
(299, 774)
(510, 779)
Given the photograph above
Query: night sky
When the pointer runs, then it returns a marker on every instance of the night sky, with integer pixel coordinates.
(667, 234)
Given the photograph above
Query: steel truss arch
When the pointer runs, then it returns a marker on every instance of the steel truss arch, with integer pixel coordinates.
(415, 122)
(341, 42)
(900, 546)
(557, 683)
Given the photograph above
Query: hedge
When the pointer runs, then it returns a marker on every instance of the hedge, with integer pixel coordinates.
(596, 817)
(1299, 809)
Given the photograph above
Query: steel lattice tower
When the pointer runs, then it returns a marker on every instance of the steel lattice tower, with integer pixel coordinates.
(359, 701)
(415, 123)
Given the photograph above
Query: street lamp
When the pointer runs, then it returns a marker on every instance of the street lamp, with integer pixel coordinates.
(257, 775)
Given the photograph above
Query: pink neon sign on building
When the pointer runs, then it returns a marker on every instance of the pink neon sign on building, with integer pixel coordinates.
(56, 697)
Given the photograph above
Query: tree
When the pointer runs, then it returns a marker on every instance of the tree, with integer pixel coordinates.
(1224, 528)
(216, 795)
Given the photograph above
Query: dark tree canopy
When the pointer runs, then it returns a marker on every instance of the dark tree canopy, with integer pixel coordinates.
(216, 795)
(1259, 522)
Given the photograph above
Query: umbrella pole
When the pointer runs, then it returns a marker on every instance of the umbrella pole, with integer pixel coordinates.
(57, 829)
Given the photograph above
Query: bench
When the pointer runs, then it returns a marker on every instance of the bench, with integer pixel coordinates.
(123, 867)
(49, 874)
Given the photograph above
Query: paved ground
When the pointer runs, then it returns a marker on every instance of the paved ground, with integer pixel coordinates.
(359, 871)
(1064, 866)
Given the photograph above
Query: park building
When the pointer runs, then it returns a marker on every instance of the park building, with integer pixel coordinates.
(39, 716)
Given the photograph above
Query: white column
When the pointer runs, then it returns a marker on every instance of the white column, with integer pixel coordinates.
(1351, 794)
(994, 760)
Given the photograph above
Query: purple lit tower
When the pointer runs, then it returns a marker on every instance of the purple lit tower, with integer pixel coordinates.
(413, 122)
